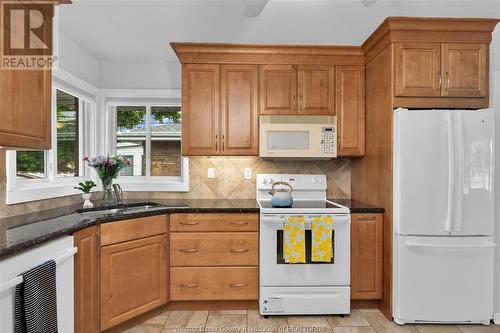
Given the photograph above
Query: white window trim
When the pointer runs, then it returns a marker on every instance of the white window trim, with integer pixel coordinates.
(148, 98)
(19, 191)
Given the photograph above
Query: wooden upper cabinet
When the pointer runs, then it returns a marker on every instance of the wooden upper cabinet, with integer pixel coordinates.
(465, 70)
(278, 89)
(350, 109)
(200, 109)
(417, 69)
(316, 89)
(25, 108)
(86, 270)
(366, 256)
(133, 278)
(239, 110)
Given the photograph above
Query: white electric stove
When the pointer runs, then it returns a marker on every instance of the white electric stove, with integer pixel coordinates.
(312, 287)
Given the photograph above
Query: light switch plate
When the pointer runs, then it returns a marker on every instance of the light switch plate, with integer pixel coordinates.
(211, 173)
(248, 173)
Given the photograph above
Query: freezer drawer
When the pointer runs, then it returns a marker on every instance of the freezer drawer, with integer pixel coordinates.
(443, 279)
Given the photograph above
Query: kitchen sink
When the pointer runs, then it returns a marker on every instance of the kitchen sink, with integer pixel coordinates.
(121, 210)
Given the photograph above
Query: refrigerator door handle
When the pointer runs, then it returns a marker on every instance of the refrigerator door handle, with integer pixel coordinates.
(451, 173)
(461, 168)
(452, 246)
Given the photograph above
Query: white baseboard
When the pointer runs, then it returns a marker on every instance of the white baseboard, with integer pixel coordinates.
(496, 318)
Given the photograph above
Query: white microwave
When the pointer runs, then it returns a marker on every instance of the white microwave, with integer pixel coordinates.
(298, 137)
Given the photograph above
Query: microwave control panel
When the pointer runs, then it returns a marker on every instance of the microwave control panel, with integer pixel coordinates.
(329, 141)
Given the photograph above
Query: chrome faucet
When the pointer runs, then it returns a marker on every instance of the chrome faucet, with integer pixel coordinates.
(118, 193)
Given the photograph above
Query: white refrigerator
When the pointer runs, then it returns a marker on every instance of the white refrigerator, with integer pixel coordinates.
(443, 216)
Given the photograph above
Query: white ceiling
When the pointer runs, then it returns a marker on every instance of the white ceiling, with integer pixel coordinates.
(142, 29)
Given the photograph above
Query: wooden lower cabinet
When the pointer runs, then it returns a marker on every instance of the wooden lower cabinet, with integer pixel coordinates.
(366, 256)
(214, 283)
(214, 249)
(86, 275)
(134, 278)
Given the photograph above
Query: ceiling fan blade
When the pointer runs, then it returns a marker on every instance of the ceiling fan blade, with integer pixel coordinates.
(254, 8)
(368, 3)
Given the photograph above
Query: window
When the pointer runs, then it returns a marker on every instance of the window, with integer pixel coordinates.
(150, 136)
(35, 174)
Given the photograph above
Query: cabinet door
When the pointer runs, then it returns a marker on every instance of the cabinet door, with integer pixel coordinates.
(350, 109)
(278, 89)
(465, 72)
(133, 278)
(366, 256)
(200, 109)
(316, 87)
(86, 270)
(25, 108)
(239, 93)
(417, 71)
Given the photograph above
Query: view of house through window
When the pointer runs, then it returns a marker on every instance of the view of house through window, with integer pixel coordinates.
(33, 164)
(157, 140)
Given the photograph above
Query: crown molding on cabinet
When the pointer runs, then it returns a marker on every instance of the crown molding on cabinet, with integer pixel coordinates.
(222, 53)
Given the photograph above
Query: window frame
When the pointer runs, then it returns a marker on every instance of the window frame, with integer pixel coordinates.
(146, 183)
(52, 186)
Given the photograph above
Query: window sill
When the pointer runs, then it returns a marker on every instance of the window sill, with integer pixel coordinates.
(42, 191)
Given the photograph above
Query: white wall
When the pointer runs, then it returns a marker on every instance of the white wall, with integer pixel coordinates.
(77, 61)
(139, 74)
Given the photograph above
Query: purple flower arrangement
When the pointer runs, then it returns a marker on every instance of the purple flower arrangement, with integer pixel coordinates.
(107, 168)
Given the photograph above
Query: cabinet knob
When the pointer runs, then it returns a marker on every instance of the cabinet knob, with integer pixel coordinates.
(239, 285)
(189, 250)
(239, 250)
(189, 285)
(239, 223)
(189, 223)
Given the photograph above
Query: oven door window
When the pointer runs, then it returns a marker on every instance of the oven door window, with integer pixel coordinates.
(280, 259)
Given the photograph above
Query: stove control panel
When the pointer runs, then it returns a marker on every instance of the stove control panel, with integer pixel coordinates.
(298, 182)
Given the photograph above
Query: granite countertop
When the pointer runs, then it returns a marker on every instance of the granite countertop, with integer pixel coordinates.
(22, 232)
(359, 207)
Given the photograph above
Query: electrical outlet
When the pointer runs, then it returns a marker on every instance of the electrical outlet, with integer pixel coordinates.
(248, 173)
(211, 173)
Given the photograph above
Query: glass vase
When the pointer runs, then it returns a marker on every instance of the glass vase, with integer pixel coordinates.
(106, 193)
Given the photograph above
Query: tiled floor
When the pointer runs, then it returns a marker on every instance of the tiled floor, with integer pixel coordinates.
(243, 321)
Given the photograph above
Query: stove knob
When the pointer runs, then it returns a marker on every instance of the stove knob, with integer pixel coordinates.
(319, 181)
(314, 180)
(264, 181)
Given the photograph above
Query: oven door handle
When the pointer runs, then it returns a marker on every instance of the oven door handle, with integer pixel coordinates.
(281, 225)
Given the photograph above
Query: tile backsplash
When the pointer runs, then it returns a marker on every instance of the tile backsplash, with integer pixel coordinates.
(228, 183)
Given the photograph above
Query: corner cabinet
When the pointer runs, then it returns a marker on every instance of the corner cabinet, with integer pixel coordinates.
(133, 268)
(366, 256)
(350, 109)
(86, 275)
(220, 112)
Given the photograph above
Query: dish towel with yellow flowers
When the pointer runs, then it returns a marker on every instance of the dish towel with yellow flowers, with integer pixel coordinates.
(321, 227)
(294, 240)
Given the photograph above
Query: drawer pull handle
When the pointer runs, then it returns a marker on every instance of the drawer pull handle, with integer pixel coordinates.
(189, 285)
(239, 250)
(239, 285)
(239, 223)
(367, 218)
(189, 250)
(189, 223)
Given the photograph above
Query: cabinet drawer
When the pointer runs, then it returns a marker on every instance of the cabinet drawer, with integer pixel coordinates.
(214, 249)
(214, 283)
(121, 231)
(214, 222)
